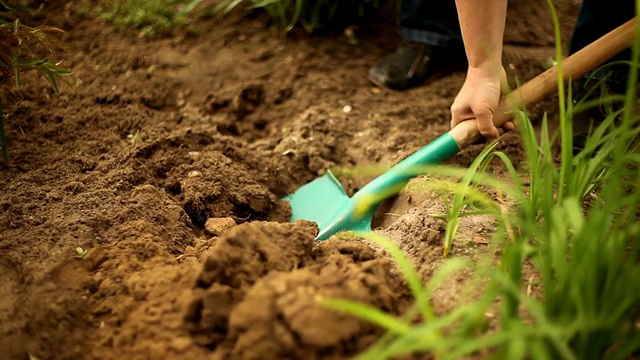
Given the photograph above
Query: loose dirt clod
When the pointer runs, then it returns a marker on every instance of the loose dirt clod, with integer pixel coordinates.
(94, 258)
(259, 288)
(216, 226)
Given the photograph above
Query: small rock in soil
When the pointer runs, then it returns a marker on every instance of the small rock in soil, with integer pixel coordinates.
(480, 240)
(94, 258)
(216, 226)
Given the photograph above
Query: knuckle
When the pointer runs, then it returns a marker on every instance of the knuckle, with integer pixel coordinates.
(483, 111)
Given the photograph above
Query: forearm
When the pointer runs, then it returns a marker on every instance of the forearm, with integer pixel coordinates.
(482, 25)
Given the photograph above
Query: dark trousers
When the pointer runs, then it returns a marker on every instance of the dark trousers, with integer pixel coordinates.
(596, 18)
(435, 22)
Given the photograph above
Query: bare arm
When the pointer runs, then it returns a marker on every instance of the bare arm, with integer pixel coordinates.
(482, 25)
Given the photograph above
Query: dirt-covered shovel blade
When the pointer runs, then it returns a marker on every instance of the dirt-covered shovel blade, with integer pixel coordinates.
(324, 200)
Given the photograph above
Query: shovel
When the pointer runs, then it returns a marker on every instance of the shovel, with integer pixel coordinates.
(325, 201)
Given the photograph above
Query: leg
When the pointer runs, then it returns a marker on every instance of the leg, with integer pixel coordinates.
(432, 43)
(596, 18)
(432, 22)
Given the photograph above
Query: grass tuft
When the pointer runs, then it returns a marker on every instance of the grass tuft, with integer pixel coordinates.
(147, 18)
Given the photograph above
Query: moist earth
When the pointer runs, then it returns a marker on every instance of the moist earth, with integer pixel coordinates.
(141, 207)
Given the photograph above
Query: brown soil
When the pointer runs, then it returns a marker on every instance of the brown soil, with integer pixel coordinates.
(167, 161)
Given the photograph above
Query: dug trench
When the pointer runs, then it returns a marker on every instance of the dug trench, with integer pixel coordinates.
(141, 213)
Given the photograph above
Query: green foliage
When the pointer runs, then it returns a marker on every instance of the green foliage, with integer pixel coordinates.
(146, 17)
(311, 15)
(403, 335)
(80, 252)
(461, 195)
(573, 225)
(24, 48)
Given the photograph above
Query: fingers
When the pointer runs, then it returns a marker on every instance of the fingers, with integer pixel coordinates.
(486, 127)
(508, 126)
(456, 114)
(483, 116)
(476, 100)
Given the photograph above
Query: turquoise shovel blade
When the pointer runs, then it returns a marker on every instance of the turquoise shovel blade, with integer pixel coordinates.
(324, 201)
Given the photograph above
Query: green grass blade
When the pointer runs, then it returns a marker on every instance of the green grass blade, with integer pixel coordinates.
(50, 77)
(368, 313)
(16, 76)
(188, 6)
(445, 270)
(407, 269)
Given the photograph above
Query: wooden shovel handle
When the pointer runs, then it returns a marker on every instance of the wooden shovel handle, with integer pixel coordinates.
(574, 66)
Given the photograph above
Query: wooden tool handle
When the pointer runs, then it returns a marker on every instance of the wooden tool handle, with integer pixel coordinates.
(574, 66)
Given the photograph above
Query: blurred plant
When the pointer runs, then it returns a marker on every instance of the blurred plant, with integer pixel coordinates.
(149, 18)
(405, 335)
(24, 48)
(458, 188)
(311, 15)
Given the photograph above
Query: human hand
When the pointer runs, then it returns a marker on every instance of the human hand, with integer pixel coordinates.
(478, 99)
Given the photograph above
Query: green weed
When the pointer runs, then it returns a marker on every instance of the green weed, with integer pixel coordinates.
(24, 48)
(80, 252)
(134, 138)
(149, 18)
(461, 196)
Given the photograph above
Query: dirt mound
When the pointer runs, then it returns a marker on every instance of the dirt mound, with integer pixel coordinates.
(206, 182)
(258, 292)
(255, 293)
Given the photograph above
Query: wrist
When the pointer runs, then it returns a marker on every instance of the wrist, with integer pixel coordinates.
(488, 68)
